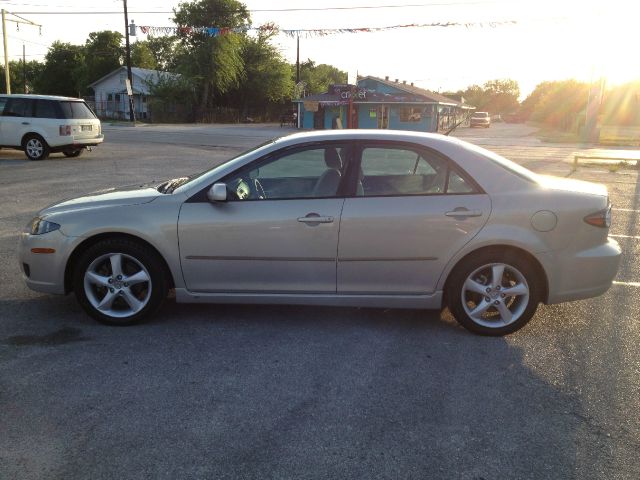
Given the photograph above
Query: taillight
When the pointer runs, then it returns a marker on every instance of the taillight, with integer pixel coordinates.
(65, 130)
(600, 219)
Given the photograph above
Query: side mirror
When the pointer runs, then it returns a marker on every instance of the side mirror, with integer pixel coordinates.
(217, 193)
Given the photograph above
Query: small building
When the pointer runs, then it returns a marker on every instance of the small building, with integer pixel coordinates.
(381, 104)
(111, 100)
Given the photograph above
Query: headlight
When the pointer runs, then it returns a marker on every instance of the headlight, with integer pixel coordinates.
(39, 226)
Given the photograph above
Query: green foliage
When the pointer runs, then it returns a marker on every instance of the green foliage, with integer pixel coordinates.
(142, 56)
(18, 72)
(172, 98)
(164, 51)
(621, 105)
(498, 96)
(64, 71)
(266, 77)
(557, 104)
(215, 62)
(104, 53)
(319, 77)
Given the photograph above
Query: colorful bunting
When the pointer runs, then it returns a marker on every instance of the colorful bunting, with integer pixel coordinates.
(309, 32)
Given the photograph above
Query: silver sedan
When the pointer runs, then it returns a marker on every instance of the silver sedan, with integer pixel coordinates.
(354, 218)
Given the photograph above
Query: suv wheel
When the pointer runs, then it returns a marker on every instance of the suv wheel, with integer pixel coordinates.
(72, 152)
(35, 148)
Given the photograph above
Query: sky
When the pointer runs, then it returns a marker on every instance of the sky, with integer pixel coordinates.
(549, 39)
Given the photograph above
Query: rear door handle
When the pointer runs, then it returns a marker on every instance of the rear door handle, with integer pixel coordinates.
(314, 219)
(463, 213)
(26, 123)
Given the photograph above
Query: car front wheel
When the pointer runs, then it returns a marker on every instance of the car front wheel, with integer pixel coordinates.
(35, 147)
(494, 293)
(119, 282)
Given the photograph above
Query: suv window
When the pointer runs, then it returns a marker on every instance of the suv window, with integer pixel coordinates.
(19, 107)
(309, 173)
(3, 103)
(76, 110)
(46, 109)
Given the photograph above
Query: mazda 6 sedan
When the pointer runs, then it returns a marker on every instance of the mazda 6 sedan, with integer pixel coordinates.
(354, 218)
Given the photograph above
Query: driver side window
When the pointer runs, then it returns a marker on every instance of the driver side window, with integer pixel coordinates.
(314, 172)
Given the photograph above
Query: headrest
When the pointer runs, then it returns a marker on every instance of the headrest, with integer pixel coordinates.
(332, 159)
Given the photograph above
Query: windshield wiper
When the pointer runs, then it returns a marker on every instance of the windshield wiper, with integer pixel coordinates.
(170, 185)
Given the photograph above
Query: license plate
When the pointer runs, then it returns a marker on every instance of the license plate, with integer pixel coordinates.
(87, 128)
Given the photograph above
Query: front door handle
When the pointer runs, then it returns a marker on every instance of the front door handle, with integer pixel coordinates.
(462, 212)
(315, 219)
(26, 123)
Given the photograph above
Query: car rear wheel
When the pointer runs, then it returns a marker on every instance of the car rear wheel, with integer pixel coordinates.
(493, 294)
(72, 152)
(119, 282)
(35, 147)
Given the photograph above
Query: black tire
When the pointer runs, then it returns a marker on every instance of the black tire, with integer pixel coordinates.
(73, 152)
(133, 255)
(35, 147)
(517, 268)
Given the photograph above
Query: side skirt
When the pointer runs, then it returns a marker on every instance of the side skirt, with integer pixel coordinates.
(432, 301)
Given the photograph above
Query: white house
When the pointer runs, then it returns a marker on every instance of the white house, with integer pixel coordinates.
(111, 92)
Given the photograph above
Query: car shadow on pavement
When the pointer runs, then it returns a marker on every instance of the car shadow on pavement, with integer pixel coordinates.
(235, 391)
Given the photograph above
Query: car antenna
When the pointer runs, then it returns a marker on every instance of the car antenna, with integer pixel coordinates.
(454, 127)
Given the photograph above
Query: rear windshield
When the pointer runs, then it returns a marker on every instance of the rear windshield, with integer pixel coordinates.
(76, 110)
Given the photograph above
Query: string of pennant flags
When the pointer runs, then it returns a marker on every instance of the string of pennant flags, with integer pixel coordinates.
(310, 32)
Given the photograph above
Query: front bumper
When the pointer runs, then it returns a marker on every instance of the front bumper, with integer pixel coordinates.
(44, 272)
(584, 274)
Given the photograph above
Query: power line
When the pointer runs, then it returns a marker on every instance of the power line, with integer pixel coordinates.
(281, 10)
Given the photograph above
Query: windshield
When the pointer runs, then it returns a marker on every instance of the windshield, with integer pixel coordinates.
(170, 186)
(480, 115)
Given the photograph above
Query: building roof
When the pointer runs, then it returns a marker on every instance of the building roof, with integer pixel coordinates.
(147, 75)
(434, 97)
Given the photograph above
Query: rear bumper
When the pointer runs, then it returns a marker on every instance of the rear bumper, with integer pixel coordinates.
(584, 274)
(75, 142)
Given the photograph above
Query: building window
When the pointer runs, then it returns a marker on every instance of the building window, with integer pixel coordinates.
(410, 114)
(117, 97)
(109, 97)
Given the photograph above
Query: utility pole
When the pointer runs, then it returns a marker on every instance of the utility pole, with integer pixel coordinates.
(24, 69)
(7, 77)
(132, 115)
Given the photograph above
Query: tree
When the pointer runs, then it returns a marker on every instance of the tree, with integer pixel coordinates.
(104, 53)
(319, 77)
(214, 61)
(266, 77)
(64, 71)
(164, 51)
(558, 104)
(18, 72)
(501, 96)
(142, 56)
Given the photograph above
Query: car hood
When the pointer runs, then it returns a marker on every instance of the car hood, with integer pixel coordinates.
(110, 197)
(571, 185)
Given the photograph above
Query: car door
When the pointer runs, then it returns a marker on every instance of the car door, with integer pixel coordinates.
(16, 121)
(413, 210)
(276, 233)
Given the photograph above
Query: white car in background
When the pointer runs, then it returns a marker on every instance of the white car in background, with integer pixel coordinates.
(365, 218)
(42, 124)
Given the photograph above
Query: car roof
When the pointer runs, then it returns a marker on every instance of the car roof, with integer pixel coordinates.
(41, 97)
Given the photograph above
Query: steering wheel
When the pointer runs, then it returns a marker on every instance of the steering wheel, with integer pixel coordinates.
(259, 190)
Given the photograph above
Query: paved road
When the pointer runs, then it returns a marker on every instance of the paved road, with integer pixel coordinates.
(290, 392)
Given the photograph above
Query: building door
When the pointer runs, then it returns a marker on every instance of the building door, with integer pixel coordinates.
(383, 117)
(318, 119)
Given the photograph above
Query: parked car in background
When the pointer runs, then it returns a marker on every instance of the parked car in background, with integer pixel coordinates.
(41, 124)
(365, 218)
(480, 119)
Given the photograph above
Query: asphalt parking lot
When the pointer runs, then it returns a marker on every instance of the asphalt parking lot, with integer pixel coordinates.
(237, 391)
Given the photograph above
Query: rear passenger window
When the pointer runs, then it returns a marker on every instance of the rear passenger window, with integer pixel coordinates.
(76, 110)
(3, 103)
(19, 107)
(45, 109)
(457, 184)
(394, 171)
